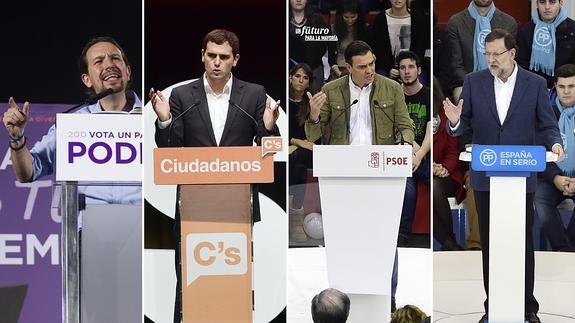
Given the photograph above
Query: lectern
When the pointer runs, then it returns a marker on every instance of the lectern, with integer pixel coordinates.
(216, 225)
(507, 167)
(99, 156)
(361, 192)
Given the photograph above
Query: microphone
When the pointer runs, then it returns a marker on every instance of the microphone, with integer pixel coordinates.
(91, 99)
(246, 113)
(395, 131)
(342, 111)
(195, 104)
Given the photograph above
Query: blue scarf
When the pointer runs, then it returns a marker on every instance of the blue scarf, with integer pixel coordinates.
(567, 128)
(482, 28)
(544, 43)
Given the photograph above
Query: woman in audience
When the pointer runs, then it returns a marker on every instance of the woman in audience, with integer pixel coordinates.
(349, 26)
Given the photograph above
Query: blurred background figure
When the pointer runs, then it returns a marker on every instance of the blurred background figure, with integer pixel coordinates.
(330, 306)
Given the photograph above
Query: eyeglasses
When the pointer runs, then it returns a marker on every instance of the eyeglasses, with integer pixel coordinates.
(495, 55)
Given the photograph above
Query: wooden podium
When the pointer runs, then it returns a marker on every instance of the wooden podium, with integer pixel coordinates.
(362, 197)
(216, 226)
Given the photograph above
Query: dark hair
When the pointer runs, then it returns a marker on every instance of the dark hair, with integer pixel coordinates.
(356, 48)
(302, 113)
(498, 33)
(340, 27)
(82, 61)
(219, 37)
(408, 54)
(330, 306)
(567, 70)
(408, 314)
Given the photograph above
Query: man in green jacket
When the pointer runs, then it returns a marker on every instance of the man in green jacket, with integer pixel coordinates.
(362, 108)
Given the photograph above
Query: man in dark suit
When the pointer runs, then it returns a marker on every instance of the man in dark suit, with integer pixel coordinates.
(505, 105)
(223, 111)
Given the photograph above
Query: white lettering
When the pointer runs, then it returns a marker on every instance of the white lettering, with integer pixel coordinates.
(6, 160)
(6, 249)
(34, 187)
(32, 244)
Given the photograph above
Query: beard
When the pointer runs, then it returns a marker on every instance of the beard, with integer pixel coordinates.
(482, 3)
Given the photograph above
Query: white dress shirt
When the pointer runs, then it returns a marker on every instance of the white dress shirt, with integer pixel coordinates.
(504, 92)
(360, 132)
(218, 105)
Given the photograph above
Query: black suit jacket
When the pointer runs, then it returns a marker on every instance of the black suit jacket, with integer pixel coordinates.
(194, 129)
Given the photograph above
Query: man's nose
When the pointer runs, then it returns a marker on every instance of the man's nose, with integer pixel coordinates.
(217, 61)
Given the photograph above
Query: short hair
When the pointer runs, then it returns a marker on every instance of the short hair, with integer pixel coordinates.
(567, 70)
(408, 314)
(219, 37)
(330, 306)
(408, 54)
(498, 33)
(356, 48)
(82, 61)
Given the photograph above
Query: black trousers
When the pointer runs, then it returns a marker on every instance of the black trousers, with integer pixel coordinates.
(482, 203)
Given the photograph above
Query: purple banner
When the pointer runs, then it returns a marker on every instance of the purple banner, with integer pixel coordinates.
(30, 227)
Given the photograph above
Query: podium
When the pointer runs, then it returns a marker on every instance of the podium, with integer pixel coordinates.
(99, 156)
(215, 205)
(507, 167)
(361, 192)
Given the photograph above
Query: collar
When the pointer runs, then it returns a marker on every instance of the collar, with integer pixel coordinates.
(132, 102)
(352, 85)
(227, 87)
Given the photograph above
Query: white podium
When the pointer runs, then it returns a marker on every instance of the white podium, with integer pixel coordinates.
(507, 167)
(361, 192)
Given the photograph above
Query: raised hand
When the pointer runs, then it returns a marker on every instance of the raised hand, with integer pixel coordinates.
(453, 112)
(160, 104)
(271, 114)
(316, 101)
(15, 119)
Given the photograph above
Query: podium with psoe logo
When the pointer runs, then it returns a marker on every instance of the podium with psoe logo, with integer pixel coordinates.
(98, 156)
(361, 192)
(508, 167)
(216, 224)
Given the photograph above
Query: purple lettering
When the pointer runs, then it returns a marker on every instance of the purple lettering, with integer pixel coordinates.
(132, 149)
(106, 147)
(72, 152)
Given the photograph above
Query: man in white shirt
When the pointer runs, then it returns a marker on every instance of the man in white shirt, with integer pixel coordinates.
(505, 105)
(362, 108)
(215, 110)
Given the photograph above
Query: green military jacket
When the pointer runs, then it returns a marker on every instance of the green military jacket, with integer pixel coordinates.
(333, 114)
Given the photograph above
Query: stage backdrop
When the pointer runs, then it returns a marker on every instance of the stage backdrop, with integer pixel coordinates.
(30, 227)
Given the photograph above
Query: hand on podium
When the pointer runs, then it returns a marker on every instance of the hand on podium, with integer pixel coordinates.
(160, 104)
(558, 149)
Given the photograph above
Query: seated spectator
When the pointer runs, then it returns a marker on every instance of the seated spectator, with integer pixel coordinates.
(408, 314)
(447, 177)
(330, 306)
(300, 150)
(349, 26)
(551, 22)
(303, 46)
(557, 183)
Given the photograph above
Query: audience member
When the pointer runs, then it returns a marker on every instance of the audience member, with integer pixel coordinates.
(547, 40)
(330, 306)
